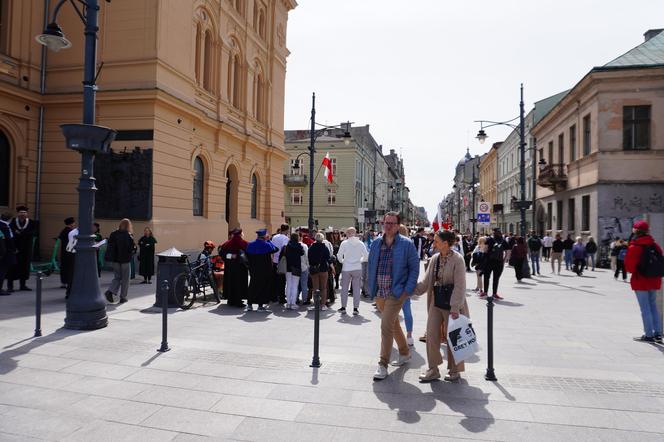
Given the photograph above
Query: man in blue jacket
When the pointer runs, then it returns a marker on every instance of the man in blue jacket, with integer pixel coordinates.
(393, 271)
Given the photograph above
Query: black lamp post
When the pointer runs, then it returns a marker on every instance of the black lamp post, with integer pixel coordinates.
(86, 308)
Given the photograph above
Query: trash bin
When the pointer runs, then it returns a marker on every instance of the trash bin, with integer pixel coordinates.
(170, 263)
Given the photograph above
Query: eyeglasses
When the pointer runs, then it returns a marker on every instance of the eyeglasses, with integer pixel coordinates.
(388, 223)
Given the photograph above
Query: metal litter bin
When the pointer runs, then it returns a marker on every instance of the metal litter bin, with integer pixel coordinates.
(170, 263)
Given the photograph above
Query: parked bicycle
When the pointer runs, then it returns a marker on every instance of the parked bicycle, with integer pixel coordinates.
(194, 281)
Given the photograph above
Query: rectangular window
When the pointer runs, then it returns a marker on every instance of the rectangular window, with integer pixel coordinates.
(572, 143)
(559, 215)
(549, 216)
(561, 149)
(550, 159)
(636, 127)
(4, 26)
(585, 213)
(296, 196)
(298, 170)
(331, 196)
(571, 214)
(586, 135)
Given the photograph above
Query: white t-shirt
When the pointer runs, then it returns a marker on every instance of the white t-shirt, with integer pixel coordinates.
(547, 241)
(279, 240)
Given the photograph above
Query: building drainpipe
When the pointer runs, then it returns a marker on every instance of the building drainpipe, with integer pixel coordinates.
(40, 128)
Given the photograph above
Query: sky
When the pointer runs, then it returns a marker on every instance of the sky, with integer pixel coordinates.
(420, 72)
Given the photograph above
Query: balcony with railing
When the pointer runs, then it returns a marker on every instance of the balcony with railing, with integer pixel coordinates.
(553, 176)
(295, 180)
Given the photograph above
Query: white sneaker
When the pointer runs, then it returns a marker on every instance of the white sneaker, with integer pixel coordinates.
(323, 308)
(250, 308)
(411, 342)
(402, 360)
(380, 373)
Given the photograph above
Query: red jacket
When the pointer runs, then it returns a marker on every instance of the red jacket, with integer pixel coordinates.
(632, 259)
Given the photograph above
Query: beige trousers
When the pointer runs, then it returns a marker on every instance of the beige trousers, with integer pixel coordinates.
(390, 328)
(435, 319)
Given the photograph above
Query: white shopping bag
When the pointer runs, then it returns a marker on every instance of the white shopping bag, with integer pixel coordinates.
(461, 338)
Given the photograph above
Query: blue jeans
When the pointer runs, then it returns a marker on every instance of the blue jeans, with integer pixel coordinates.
(534, 260)
(652, 323)
(304, 281)
(568, 258)
(592, 259)
(407, 315)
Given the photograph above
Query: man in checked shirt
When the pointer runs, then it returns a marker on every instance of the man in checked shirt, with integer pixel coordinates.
(394, 267)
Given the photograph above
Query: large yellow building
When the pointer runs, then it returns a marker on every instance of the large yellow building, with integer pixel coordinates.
(195, 89)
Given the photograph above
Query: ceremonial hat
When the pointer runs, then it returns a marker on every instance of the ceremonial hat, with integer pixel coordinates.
(236, 231)
(69, 220)
(641, 225)
(261, 232)
(21, 208)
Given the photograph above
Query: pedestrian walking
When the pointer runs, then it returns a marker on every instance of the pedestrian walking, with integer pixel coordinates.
(644, 261)
(319, 262)
(591, 249)
(518, 257)
(445, 285)
(621, 252)
(568, 245)
(66, 257)
(236, 273)
(612, 253)
(393, 271)
(478, 259)
(24, 231)
(259, 256)
(7, 250)
(494, 263)
(547, 244)
(293, 251)
(579, 256)
(557, 250)
(121, 249)
(146, 249)
(352, 252)
(534, 247)
(406, 308)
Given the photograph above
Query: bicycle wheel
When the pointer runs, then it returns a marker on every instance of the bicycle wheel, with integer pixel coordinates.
(184, 288)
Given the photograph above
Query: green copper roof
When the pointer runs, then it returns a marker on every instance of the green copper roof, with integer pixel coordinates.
(648, 53)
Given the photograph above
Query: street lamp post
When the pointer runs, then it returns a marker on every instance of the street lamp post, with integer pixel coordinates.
(86, 308)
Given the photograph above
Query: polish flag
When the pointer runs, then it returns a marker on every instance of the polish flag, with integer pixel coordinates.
(327, 163)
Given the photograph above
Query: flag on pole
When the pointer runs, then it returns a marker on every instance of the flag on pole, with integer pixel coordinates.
(327, 163)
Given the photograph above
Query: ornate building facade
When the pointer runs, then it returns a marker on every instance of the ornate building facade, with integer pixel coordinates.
(195, 89)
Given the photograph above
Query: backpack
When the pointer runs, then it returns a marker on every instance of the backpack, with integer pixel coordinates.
(651, 264)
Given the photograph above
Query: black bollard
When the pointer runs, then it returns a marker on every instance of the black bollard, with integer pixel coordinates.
(315, 361)
(38, 304)
(490, 374)
(165, 288)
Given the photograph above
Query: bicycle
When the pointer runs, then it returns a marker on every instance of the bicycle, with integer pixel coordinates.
(194, 281)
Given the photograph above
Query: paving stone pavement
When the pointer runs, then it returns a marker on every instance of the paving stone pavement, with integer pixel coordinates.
(565, 360)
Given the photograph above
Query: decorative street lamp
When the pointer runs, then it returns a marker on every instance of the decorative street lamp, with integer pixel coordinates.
(86, 308)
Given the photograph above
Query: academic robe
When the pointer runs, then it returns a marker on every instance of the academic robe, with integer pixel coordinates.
(146, 256)
(259, 254)
(235, 271)
(66, 258)
(24, 234)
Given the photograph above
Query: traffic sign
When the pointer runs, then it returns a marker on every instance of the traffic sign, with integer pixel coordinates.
(484, 214)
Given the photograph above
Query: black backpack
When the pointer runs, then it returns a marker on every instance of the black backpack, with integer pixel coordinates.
(651, 263)
(496, 253)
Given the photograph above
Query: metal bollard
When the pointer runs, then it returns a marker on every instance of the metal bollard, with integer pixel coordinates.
(165, 288)
(490, 374)
(315, 361)
(38, 304)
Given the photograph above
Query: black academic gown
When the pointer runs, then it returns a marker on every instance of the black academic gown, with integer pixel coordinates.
(259, 254)
(66, 258)
(24, 234)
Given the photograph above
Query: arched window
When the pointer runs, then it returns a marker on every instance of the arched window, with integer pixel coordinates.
(239, 6)
(235, 80)
(261, 23)
(197, 55)
(207, 62)
(254, 196)
(4, 170)
(199, 179)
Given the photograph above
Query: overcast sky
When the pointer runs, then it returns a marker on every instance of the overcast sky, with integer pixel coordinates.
(419, 72)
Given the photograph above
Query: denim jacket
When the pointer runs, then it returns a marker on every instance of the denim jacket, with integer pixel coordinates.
(405, 266)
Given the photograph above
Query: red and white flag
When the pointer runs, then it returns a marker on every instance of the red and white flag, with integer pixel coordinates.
(327, 163)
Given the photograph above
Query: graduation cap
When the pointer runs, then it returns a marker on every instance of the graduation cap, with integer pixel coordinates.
(261, 232)
(21, 208)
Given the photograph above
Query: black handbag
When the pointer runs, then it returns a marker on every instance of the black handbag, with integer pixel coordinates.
(442, 294)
